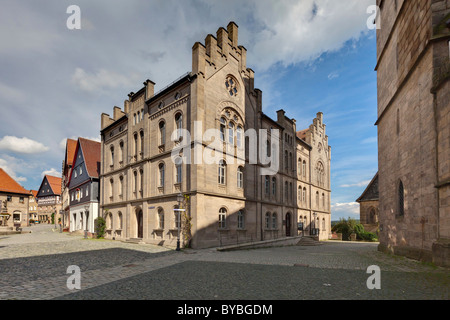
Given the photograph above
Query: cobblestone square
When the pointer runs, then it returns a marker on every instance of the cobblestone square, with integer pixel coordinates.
(34, 266)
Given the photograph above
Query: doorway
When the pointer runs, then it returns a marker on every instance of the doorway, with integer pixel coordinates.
(140, 224)
(288, 224)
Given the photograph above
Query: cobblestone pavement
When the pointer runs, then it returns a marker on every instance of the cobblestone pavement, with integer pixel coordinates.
(34, 266)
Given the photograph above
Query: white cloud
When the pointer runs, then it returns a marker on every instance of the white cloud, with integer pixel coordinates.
(349, 208)
(102, 80)
(9, 168)
(51, 172)
(333, 75)
(370, 140)
(21, 145)
(359, 184)
(297, 31)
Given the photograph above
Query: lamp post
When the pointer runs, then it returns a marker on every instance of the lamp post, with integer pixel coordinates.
(86, 210)
(179, 199)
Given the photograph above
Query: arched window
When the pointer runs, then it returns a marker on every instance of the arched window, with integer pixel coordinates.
(401, 199)
(161, 218)
(320, 174)
(240, 178)
(269, 152)
(267, 185)
(286, 160)
(162, 169)
(222, 172)
(304, 168)
(178, 170)
(317, 199)
(120, 221)
(111, 188)
(231, 133)
(300, 193)
(112, 156)
(299, 166)
(323, 224)
(121, 154)
(274, 221)
(135, 137)
(274, 186)
(291, 161)
(323, 200)
(141, 152)
(223, 124)
(241, 220)
(162, 133)
(179, 125)
(109, 221)
(267, 226)
(222, 218)
(286, 190)
(141, 184)
(135, 181)
(121, 186)
(239, 136)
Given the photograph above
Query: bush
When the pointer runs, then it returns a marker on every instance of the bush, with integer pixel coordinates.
(364, 235)
(346, 227)
(100, 227)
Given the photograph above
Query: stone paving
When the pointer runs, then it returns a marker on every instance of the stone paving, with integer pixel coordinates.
(34, 266)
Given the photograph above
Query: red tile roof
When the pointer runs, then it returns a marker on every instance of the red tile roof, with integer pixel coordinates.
(302, 134)
(71, 145)
(55, 184)
(92, 156)
(34, 192)
(8, 184)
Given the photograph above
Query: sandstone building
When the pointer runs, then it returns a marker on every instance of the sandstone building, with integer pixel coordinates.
(368, 206)
(13, 202)
(414, 128)
(146, 148)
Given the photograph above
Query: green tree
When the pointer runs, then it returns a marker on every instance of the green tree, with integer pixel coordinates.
(100, 227)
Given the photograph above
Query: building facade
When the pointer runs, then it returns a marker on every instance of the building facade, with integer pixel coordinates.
(49, 199)
(413, 128)
(369, 206)
(33, 208)
(67, 164)
(14, 202)
(83, 186)
(204, 137)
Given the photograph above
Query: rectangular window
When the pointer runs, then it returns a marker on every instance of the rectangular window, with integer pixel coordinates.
(21, 199)
(9, 198)
(179, 173)
(222, 221)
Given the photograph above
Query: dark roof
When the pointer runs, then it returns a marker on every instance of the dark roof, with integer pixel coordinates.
(371, 193)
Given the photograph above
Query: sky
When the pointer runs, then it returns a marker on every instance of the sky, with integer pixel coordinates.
(309, 56)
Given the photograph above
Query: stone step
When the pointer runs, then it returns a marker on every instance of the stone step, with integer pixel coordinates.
(134, 240)
(309, 241)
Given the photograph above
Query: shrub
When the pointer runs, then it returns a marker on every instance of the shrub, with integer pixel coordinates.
(100, 227)
(346, 227)
(364, 235)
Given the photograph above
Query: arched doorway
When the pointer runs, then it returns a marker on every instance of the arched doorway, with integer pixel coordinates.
(288, 224)
(140, 224)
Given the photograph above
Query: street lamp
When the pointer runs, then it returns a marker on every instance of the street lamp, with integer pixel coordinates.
(86, 209)
(179, 199)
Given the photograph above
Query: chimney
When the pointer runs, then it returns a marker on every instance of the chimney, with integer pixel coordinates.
(233, 33)
(149, 89)
(126, 106)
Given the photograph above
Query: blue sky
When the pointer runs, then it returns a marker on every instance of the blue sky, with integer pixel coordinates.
(308, 55)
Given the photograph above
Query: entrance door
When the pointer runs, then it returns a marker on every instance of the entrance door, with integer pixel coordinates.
(288, 224)
(140, 225)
